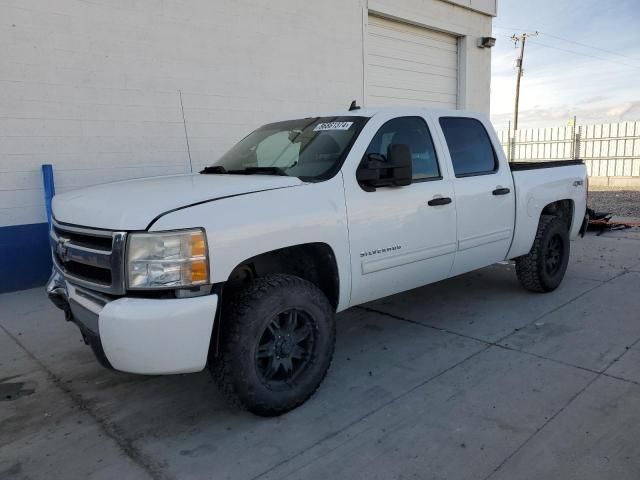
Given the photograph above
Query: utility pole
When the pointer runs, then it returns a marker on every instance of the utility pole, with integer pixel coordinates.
(522, 39)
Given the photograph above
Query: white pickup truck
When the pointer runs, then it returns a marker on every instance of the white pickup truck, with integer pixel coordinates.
(242, 267)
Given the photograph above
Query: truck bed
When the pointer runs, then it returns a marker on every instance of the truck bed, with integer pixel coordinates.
(519, 166)
(537, 187)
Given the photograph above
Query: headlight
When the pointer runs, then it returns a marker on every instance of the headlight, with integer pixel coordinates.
(168, 259)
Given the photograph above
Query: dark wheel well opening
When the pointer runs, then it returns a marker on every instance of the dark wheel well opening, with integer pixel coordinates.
(562, 209)
(314, 262)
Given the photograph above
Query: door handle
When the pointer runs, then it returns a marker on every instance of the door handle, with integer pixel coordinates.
(439, 201)
(501, 191)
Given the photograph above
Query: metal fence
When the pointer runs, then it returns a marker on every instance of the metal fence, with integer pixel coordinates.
(609, 150)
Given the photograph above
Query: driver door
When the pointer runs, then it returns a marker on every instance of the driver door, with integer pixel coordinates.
(401, 237)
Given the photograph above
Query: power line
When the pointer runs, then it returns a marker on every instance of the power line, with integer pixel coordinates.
(590, 46)
(545, 45)
(584, 54)
(557, 37)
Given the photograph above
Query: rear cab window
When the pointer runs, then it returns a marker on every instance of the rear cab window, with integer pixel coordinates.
(470, 147)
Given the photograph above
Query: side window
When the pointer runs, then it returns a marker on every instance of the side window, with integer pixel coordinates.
(469, 145)
(413, 132)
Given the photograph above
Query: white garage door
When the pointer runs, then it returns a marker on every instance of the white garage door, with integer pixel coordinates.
(409, 65)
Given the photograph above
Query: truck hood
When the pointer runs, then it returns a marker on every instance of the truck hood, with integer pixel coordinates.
(134, 204)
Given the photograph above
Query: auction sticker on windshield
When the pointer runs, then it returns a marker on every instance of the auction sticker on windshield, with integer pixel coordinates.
(321, 127)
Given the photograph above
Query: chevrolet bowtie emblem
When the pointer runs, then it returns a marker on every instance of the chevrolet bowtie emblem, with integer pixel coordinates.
(62, 249)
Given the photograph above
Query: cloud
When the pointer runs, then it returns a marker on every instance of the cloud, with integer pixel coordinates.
(621, 111)
(552, 96)
(585, 62)
(596, 99)
(559, 115)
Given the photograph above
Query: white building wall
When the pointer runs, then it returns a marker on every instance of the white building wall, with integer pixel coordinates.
(94, 87)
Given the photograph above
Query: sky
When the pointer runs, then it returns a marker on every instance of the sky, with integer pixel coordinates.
(584, 63)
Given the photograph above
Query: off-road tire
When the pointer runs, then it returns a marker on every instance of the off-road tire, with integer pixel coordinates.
(235, 370)
(531, 268)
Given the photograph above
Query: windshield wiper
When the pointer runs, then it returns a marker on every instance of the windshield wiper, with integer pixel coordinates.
(217, 169)
(259, 171)
(214, 170)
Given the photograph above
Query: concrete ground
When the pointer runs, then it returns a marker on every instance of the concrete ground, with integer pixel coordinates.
(470, 378)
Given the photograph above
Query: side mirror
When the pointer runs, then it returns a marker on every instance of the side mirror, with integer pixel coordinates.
(377, 171)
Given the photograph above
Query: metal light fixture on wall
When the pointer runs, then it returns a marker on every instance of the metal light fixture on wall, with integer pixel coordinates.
(486, 42)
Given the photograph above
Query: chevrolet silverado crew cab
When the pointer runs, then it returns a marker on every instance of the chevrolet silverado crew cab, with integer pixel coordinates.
(242, 267)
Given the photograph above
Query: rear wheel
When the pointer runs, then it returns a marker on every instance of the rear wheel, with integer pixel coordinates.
(277, 345)
(543, 268)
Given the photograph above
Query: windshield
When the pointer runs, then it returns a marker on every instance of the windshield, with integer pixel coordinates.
(311, 148)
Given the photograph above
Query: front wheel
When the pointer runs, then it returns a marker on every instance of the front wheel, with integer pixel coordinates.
(543, 268)
(277, 345)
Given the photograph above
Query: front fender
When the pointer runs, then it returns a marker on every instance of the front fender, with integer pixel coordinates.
(249, 225)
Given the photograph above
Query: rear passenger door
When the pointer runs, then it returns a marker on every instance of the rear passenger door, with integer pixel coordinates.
(485, 200)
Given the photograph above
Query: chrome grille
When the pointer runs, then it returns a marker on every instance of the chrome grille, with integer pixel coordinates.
(89, 257)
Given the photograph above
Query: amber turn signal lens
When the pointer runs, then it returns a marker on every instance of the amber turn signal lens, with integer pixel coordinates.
(199, 271)
(198, 246)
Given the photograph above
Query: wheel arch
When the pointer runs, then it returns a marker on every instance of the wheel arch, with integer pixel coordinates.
(315, 262)
(528, 218)
(560, 208)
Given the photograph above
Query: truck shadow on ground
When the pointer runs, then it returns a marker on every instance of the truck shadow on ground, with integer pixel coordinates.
(384, 348)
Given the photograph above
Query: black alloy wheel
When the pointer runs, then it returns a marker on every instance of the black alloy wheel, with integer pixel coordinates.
(553, 255)
(285, 348)
(543, 268)
(276, 343)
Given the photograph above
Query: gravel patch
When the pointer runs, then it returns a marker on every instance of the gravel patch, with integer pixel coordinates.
(623, 203)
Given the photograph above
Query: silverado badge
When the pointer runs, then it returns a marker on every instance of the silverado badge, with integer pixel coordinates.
(376, 251)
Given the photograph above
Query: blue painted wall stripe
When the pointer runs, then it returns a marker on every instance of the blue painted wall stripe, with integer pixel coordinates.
(25, 258)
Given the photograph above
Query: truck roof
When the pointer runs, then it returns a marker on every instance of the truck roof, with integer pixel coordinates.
(401, 111)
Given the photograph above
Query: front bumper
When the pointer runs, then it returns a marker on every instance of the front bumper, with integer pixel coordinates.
(139, 335)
